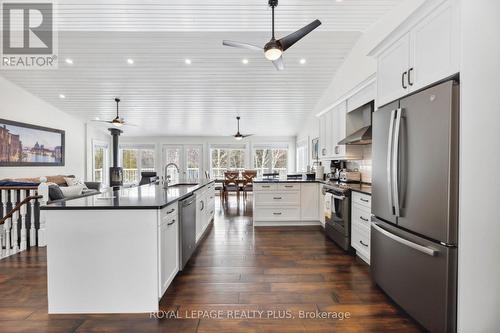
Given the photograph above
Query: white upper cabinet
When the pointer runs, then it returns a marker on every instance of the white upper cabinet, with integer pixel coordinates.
(424, 50)
(392, 69)
(435, 47)
(339, 131)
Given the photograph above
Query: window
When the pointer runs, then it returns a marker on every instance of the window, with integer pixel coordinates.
(136, 159)
(302, 156)
(100, 162)
(270, 159)
(224, 158)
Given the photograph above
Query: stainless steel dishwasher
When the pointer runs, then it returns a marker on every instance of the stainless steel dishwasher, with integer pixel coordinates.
(187, 229)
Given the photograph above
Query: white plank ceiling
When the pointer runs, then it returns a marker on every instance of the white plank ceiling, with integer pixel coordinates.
(163, 95)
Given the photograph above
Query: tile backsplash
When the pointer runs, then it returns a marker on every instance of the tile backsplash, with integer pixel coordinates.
(364, 166)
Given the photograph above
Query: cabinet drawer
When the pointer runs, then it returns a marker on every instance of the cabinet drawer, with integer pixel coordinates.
(264, 187)
(360, 240)
(277, 198)
(362, 199)
(169, 212)
(277, 214)
(360, 215)
(288, 187)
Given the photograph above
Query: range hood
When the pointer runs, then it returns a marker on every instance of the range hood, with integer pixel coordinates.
(363, 136)
(362, 117)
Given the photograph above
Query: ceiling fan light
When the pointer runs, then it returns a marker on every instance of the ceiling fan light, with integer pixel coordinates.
(238, 138)
(273, 50)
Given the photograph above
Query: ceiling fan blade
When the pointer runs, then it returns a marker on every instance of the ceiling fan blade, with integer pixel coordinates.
(246, 135)
(294, 37)
(241, 45)
(279, 64)
(102, 121)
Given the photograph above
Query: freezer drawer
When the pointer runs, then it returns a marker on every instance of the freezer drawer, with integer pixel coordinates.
(417, 274)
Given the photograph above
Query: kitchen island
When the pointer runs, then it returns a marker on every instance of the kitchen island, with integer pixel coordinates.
(116, 252)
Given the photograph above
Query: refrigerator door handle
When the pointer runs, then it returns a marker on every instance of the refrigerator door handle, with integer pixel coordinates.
(424, 249)
(395, 162)
(389, 160)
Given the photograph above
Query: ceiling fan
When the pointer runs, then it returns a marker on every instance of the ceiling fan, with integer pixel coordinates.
(238, 135)
(117, 121)
(274, 49)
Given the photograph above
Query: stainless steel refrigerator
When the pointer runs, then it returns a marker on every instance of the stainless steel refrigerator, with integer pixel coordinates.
(415, 204)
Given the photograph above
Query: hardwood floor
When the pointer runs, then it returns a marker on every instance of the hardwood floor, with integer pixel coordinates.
(240, 279)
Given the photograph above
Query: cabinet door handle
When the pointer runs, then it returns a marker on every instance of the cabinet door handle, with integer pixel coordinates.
(364, 200)
(289, 186)
(277, 198)
(202, 205)
(361, 242)
(266, 186)
(410, 82)
(171, 211)
(403, 80)
(277, 213)
(361, 217)
(212, 213)
(170, 223)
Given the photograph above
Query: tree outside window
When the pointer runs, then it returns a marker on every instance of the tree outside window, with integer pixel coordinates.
(224, 159)
(269, 160)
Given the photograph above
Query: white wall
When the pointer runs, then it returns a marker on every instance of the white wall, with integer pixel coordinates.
(479, 227)
(206, 141)
(18, 105)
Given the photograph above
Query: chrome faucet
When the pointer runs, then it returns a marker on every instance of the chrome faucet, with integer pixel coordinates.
(167, 177)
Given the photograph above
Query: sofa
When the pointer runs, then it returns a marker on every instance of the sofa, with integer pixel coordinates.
(59, 189)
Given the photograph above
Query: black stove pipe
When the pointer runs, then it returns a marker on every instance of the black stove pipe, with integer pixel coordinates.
(115, 172)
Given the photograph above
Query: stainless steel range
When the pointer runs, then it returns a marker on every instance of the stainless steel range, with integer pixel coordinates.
(338, 214)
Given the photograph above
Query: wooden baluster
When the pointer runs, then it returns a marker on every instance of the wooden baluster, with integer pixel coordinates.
(32, 221)
(43, 190)
(3, 229)
(23, 237)
(15, 220)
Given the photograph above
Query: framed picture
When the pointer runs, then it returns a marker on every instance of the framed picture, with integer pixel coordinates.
(315, 148)
(30, 145)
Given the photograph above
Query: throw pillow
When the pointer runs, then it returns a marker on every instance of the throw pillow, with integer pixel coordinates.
(55, 193)
(72, 181)
(71, 191)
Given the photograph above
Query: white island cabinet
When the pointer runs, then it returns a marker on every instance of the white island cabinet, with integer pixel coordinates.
(115, 252)
(286, 203)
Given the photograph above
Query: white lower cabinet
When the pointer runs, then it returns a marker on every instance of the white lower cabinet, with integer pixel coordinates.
(205, 208)
(286, 204)
(168, 246)
(360, 225)
(309, 202)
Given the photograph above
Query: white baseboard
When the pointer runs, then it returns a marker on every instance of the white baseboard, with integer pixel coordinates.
(285, 223)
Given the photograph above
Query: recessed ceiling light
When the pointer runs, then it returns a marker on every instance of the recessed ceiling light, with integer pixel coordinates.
(245, 61)
(339, 0)
(62, 96)
(97, 118)
(187, 61)
(69, 61)
(130, 61)
(302, 61)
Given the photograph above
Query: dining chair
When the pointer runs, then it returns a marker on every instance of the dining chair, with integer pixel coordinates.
(247, 182)
(231, 184)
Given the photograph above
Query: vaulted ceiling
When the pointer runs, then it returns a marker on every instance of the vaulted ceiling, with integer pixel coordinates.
(165, 96)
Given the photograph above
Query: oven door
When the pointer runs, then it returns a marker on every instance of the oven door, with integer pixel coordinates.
(340, 214)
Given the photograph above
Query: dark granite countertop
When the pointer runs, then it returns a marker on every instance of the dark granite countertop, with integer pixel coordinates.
(263, 181)
(150, 196)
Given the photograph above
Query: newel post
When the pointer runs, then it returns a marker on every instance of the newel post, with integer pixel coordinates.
(43, 190)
